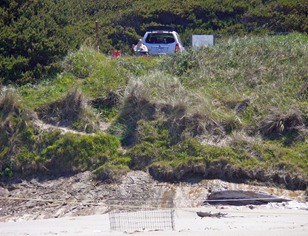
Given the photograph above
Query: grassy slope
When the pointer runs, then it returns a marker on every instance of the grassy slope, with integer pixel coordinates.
(236, 111)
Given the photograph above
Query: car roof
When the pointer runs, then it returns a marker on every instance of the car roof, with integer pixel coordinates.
(160, 31)
(160, 28)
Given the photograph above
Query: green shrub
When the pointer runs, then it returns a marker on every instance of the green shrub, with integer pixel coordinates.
(76, 153)
(143, 155)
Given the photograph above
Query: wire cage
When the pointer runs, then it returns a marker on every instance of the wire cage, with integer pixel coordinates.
(155, 213)
(142, 220)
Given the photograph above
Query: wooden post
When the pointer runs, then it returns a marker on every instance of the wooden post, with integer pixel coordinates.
(97, 38)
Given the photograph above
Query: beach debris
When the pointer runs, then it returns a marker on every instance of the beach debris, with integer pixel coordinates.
(241, 197)
(211, 214)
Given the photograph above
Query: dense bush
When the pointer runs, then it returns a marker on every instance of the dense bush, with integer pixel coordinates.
(35, 35)
(74, 153)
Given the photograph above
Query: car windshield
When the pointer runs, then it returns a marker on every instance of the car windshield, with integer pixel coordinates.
(160, 38)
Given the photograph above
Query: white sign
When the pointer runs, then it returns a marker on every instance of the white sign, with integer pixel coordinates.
(203, 40)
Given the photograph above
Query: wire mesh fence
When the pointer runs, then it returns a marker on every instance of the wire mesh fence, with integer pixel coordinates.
(142, 220)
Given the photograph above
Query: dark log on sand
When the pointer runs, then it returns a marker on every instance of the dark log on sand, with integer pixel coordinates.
(210, 214)
(240, 197)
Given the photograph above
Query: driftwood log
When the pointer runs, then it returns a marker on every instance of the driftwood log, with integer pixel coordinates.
(240, 197)
(210, 214)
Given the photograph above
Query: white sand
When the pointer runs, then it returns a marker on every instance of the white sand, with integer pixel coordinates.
(259, 221)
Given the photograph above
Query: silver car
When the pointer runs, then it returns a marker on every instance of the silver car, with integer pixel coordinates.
(162, 40)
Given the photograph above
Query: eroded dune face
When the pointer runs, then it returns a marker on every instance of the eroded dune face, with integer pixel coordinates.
(81, 194)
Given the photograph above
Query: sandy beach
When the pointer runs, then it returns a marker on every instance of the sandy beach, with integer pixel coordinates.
(243, 220)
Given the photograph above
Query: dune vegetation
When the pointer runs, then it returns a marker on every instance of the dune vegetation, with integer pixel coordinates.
(237, 111)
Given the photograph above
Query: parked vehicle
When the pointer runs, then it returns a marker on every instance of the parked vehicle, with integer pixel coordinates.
(162, 40)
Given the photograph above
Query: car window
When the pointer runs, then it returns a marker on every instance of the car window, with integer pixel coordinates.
(160, 38)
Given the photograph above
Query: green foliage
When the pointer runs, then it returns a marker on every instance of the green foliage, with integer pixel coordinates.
(136, 66)
(36, 35)
(72, 152)
(24, 151)
(36, 96)
(7, 171)
(31, 45)
(17, 140)
(179, 64)
(100, 74)
(185, 151)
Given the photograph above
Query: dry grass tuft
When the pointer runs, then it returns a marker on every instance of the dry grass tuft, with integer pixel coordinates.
(304, 90)
(278, 122)
(9, 100)
(65, 110)
(69, 110)
(112, 99)
(241, 136)
(137, 103)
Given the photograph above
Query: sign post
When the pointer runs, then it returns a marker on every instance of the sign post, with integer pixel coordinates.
(97, 37)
